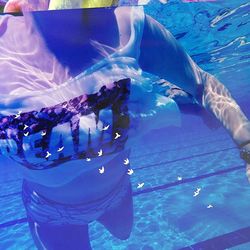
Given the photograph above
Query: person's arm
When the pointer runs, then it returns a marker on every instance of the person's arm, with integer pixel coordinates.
(217, 99)
(168, 60)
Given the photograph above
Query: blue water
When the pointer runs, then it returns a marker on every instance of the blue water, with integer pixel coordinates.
(167, 215)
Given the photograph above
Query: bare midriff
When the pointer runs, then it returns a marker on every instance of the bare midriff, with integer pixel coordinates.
(88, 186)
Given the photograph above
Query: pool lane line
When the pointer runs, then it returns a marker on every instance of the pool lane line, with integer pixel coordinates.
(168, 184)
(222, 242)
(188, 180)
(11, 180)
(149, 154)
(139, 156)
(179, 148)
(183, 158)
(11, 194)
(149, 190)
(13, 222)
(221, 134)
(152, 165)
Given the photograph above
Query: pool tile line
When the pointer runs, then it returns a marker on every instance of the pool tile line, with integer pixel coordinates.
(9, 181)
(224, 241)
(11, 194)
(13, 222)
(219, 133)
(152, 165)
(180, 148)
(139, 156)
(221, 242)
(155, 164)
(12, 180)
(184, 158)
(183, 181)
(188, 180)
(144, 155)
(22, 220)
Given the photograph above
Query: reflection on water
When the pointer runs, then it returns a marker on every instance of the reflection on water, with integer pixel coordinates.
(215, 34)
(26, 63)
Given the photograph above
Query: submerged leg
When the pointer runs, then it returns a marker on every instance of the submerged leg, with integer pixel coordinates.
(119, 220)
(62, 237)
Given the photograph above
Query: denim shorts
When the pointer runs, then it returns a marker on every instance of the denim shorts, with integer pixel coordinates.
(43, 210)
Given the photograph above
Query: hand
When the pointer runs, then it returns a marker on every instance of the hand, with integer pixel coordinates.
(247, 147)
(243, 142)
(248, 172)
(15, 6)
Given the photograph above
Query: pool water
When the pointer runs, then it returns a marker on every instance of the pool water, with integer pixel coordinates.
(174, 162)
(167, 215)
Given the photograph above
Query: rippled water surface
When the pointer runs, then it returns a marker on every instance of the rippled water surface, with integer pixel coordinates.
(215, 34)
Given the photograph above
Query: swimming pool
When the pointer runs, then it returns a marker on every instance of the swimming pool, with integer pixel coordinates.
(172, 167)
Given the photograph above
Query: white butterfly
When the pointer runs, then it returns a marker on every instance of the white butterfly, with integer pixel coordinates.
(18, 114)
(197, 192)
(117, 135)
(100, 152)
(60, 149)
(140, 185)
(101, 170)
(43, 133)
(106, 128)
(48, 155)
(130, 171)
(26, 134)
(126, 162)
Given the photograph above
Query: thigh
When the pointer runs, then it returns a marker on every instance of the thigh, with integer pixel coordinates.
(119, 219)
(59, 237)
